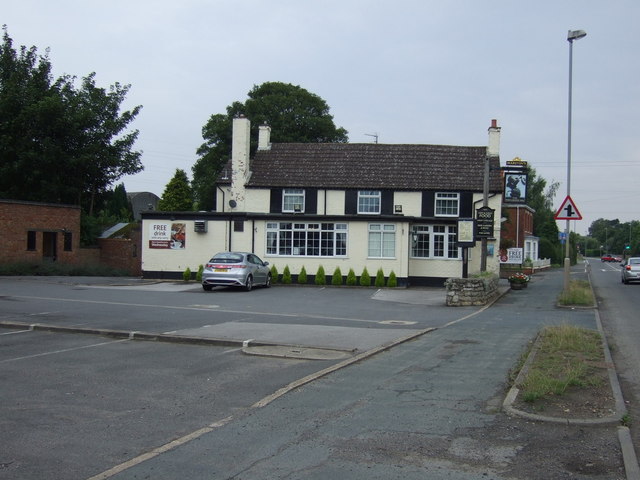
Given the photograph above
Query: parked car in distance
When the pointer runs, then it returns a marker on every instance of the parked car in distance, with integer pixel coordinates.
(610, 258)
(236, 269)
(631, 270)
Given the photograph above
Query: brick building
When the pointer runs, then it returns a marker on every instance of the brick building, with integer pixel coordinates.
(518, 231)
(36, 232)
(42, 232)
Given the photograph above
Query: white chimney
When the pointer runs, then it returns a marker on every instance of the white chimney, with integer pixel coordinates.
(240, 146)
(493, 149)
(264, 137)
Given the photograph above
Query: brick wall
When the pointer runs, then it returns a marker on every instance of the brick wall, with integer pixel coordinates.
(121, 253)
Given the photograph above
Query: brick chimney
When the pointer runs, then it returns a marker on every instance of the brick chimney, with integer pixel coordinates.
(493, 148)
(264, 137)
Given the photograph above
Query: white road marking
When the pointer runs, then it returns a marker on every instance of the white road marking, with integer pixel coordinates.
(198, 308)
(55, 352)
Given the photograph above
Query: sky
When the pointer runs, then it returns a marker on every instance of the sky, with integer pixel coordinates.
(408, 71)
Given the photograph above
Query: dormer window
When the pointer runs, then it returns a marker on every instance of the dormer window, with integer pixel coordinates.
(369, 201)
(447, 204)
(293, 200)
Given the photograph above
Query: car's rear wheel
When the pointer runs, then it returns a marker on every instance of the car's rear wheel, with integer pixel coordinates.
(249, 283)
(207, 288)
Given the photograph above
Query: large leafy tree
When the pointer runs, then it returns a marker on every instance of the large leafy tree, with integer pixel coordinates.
(293, 113)
(178, 195)
(59, 142)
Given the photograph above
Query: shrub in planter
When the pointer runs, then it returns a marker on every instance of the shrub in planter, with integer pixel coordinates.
(274, 274)
(336, 278)
(321, 277)
(302, 276)
(351, 278)
(365, 278)
(186, 275)
(392, 281)
(286, 275)
(379, 278)
(199, 274)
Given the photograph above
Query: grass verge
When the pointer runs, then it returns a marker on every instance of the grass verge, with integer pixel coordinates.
(579, 294)
(566, 357)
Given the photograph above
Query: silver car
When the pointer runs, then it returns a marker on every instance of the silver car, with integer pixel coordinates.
(631, 270)
(236, 269)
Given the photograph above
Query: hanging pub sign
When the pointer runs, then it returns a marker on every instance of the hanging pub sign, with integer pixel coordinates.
(515, 181)
(484, 222)
(515, 187)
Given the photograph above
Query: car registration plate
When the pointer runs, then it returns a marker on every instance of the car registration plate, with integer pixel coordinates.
(221, 270)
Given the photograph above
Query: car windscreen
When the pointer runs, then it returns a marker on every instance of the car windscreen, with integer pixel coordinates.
(634, 261)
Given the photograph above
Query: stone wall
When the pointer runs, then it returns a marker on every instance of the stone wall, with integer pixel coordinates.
(464, 292)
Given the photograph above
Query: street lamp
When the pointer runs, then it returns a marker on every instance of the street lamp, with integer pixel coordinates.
(571, 36)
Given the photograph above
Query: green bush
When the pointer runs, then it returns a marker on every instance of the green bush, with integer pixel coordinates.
(302, 276)
(199, 274)
(286, 275)
(351, 278)
(365, 278)
(379, 278)
(336, 278)
(392, 281)
(274, 274)
(321, 278)
(186, 275)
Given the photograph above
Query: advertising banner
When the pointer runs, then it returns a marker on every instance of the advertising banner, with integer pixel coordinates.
(167, 235)
(514, 256)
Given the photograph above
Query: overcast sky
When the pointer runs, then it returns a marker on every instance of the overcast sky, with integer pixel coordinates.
(410, 71)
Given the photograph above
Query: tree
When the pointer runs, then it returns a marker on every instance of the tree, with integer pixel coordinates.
(177, 195)
(613, 236)
(541, 200)
(294, 114)
(70, 140)
(117, 203)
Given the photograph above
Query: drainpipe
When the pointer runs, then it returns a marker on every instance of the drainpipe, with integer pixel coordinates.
(223, 198)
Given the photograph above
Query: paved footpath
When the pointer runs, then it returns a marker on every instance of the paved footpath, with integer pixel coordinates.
(429, 408)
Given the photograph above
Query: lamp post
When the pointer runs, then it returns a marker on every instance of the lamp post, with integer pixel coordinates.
(571, 36)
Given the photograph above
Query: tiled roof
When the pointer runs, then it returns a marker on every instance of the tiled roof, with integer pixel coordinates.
(375, 166)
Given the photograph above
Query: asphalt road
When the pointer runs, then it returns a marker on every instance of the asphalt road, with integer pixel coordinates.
(75, 405)
(618, 304)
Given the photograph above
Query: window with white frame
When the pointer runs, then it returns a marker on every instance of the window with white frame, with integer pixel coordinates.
(293, 200)
(434, 241)
(447, 204)
(369, 201)
(307, 239)
(382, 240)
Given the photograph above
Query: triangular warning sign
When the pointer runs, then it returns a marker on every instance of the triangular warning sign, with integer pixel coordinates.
(568, 211)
